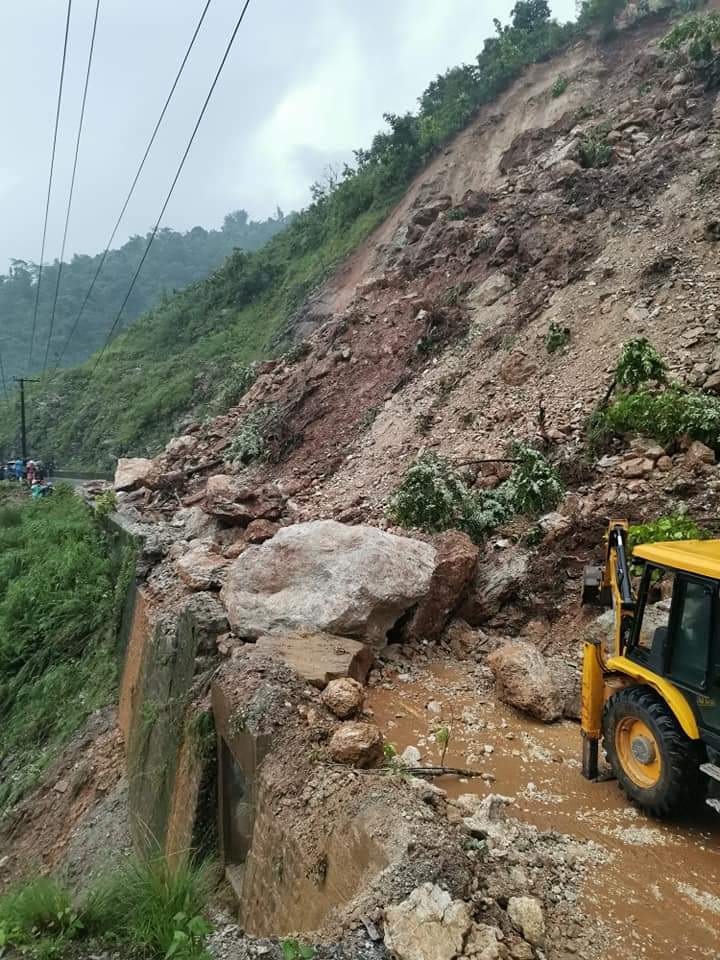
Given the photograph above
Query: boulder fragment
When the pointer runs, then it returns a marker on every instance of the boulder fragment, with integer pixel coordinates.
(454, 568)
(343, 697)
(429, 925)
(353, 581)
(357, 744)
(524, 681)
(319, 657)
(527, 915)
(499, 576)
(133, 473)
(202, 567)
(231, 500)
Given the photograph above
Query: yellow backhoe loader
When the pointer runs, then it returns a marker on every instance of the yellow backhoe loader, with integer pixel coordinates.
(652, 694)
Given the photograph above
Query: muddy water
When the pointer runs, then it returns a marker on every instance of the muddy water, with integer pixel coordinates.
(659, 891)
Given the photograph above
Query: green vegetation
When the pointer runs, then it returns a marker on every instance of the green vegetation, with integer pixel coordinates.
(251, 441)
(150, 909)
(58, 608)
(557, 337)
(433, 497)
(699, 37)
(175, 260)
(677, 527)
(294, 950)
(595, 151)
(184, 353)
(666, 415)
(559, 86)
(639, 363)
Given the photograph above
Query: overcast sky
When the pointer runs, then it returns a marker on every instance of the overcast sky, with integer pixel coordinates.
(308, 81)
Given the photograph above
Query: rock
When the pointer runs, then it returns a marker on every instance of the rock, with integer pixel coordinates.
(454, 567)
(499, 576)
(664, 464)
(202, 567)
(133, 473)
(564, 169)
(490, 290)
(475, 202)
(636, 467)
(258, 531)
(429, 213)
(699, 453)
(319, 657)
(554, 525)
(429, 925)
(568, 683)
(464, 640)
(410, 756)
(484, 943)
(181, 446)
(343, 697)
(357, 744)
(524, 681)
(527, 915)
(195, 523)
(487, 820)
(229, 499)
(355, 581)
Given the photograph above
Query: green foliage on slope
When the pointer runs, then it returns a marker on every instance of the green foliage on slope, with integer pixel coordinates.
(58, 606)
(175, 260)
(180, 356)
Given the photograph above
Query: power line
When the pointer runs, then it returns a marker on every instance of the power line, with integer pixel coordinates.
(50, 182)
(3, 380)
(173, 184)
(72, 185)
(133, 185)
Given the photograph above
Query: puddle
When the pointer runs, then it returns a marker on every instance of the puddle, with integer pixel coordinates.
(658, 892)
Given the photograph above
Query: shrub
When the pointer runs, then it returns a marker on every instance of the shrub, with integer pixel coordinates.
(595, 151)
(666, 415)
(639, 363)
(105, 503)
(699, 35)
(39, 910)
(675, 527)
(557, 337)
(559, 86)
(250, 443)
(534, 485)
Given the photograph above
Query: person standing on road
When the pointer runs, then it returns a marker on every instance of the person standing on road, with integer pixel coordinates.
(19, 469)
(30, 472)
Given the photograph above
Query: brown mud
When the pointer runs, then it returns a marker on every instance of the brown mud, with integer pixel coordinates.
(660, 884)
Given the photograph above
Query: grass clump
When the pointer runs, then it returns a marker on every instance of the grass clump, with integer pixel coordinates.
(557, 337)
(676, 527)
(57, 614)
(560, 85)
(595, 151)
(151, 910)
(433, 496)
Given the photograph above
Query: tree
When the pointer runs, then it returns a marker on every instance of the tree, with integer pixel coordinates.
(528, 14)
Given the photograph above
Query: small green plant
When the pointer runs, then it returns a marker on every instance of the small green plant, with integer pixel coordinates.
(639, 363)
(559, 86)
(557, 337)
(40, 912)
(294, 950)
(595, 151)
(676, 527)
(369, 418)
(105, 503)
(534, 485)
(456, 213)
(442, 739)
(389, 750)
(250, 443)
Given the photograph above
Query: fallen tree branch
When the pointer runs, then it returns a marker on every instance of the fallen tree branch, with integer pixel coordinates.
(442, 772)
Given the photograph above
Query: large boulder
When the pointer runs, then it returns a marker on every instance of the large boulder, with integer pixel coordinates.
(133, 473)
(357, 744)
(524, 680)
(318, 657)
(233, 501)
(499, 576)
(202, 567)
(454, 568)
(429, 925)
(355, 581)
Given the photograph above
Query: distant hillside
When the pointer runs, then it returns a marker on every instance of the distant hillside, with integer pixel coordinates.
(175, 260)
(194, 353)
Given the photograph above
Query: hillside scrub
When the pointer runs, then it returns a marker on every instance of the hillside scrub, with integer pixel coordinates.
(666, 415)
(179, 356)
(665, 529)
(433, 496)
(58, 607)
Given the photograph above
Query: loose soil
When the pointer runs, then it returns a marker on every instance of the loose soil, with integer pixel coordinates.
(660, 882)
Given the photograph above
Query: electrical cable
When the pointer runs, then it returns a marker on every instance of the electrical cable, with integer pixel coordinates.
(72, 186)
(172, 185)
(133, 185)
(50, 183)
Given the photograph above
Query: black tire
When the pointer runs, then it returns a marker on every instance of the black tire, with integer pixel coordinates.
(680, 782)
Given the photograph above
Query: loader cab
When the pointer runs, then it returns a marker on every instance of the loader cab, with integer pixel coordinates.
(676, 627)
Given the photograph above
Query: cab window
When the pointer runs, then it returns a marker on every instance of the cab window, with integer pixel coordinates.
(693, 621)
(655, 620)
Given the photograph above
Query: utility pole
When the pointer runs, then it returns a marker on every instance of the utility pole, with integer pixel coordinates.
(22, 381)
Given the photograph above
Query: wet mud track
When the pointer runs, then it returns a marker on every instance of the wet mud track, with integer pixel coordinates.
(658, 892)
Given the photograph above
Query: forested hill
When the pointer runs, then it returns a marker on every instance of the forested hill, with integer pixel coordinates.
(175, 260)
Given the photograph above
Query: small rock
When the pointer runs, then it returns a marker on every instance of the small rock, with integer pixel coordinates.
(434, 706)
(411, 756)
(343, 697)
(61, 786)
(357, 744)
(527, 915)
(429, 925)
(699, 453)
(258, 531)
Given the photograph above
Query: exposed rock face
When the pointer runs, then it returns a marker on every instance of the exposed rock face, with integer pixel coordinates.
(429, 925)
(131, 474)
(231, 500)
(455, 565)
(258, 531)
(352, 581)
(202, 567)
(500, 574)
(195, 523)
(319, 657)
(357, 744)
(524, 680)
(527, 915)
(343, 697)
